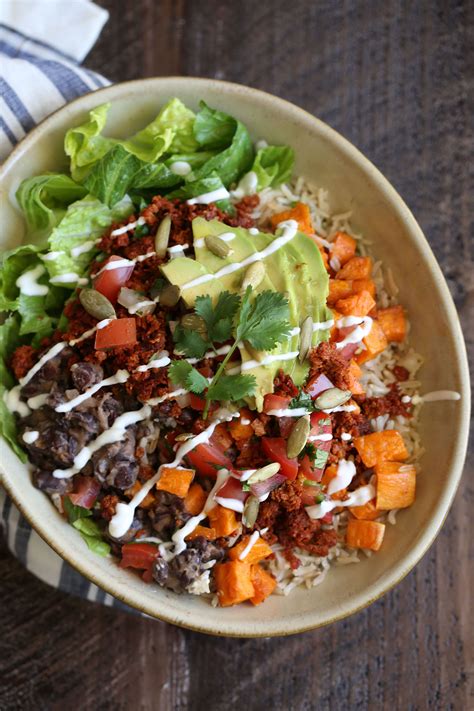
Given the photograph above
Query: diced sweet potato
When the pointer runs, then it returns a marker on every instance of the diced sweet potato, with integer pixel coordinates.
(195, 499)
(233, 582)
(221, 437)
(176, 481)
(329, 473)
(395, 485)
(356, 268)
(238, 430)
(147, 502)
(359, 285)
(258, 552)
(204, 532)
(365, 534)
(264, 584)
(343, 247)
(300, 213)
(354, 374)
(386, 446)
(338, 289)
(356, 305)
(324, 256)
(222, 520)
(393, 323)
(367, 511)
(375, 342)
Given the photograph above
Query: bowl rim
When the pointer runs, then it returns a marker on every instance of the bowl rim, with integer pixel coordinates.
(427, 537)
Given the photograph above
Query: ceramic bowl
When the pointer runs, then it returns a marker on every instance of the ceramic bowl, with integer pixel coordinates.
(327, 159)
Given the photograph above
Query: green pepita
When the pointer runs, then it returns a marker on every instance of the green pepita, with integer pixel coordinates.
(298, 437)
(96, 304)
(193, 322)
(254, 275)
(217, 246)
(334, 397)
(264, 473)
(170, 295)
(162, 236)
(306, 337)
(250, 512)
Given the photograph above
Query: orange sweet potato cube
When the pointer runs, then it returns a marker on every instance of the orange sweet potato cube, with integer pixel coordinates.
(356, 305)
(367, 511)
(396, 485)
(223, 520)
(375, 342)
(147, 502)
(359, 285)
(356, 268)
(393, 323)
(264, 584)
(233, 582)
(176, 481)
(343, 247)
(386, 446)
(258, 552)
(195, 499)
(300, 213)
(365, 534)
(338, 289)
(202, 531)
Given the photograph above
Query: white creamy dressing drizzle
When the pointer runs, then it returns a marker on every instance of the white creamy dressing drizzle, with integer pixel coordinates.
(253, 231)
(346, 437)
(101, 324)
(51, 256)
(44, 359)
(123, 518)
(12, 400)
(440, 395)
(82, 248)
(289, 412)
(121, 376)
(157, 363)
(346, 471)
(114, 434)
(289, 230)
(225, 237)
(180, 167)
(246, 474)
(168, 396)
(30, 437)
(340, 408)
(68, 278)
(37, 401)
(319, 326)
(28, 282)
(177, 250)
(140, 305)
(247, 185)
(210, 354)
(245, 421)
(359, 497)
(363, 323)
(206, 198)
(127, 228)
(249, 364)
(251, 542)
(121, 263)
(228, 503)
(324, 437)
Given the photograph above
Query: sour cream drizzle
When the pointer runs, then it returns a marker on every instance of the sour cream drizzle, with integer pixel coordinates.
(345, 473)
(363, 323)
(68, 278)
(82, 248)
(180, 167)
(30, 437)
(127, 228)
(121, 376)
(206, 198)
(289, 230)
(359, 497)
(249, 364)
(324, 437)
(121, 263)
(251, 542)
(28, 282)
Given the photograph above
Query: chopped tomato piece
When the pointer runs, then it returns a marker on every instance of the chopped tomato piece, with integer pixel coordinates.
(275, 402)
(199, 403)
(275, 449)
(231, 495)
(320, 427)
(138, 555)
(86, 491)
(110, 281)
(207, 459)
(119, 332)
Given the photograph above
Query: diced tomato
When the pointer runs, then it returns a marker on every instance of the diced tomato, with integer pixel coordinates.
(320, 425)
(110, 281)
(147, 575)
(207, 459)
(86, 491)
(138, 555)
(275, 449)
(285, 425)
(318, 385)
(232, 489)
(349, 350)
(199, 403)
(275, 402)
(119, 332)
(327, 518)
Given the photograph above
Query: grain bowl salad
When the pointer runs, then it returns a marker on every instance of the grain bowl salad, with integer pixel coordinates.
(204, 367)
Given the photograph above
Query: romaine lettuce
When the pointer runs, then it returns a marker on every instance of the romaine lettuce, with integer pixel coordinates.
(273, 166)
(9, 339)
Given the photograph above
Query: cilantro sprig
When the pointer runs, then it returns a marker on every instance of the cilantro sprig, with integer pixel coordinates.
(261, 321)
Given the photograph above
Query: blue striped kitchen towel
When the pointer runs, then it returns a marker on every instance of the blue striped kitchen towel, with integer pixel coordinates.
(42, 43)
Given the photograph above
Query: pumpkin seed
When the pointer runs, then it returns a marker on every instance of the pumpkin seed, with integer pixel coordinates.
(162, 236)
(256, 355)
(193, 322)
(250, 512)
(217, 246)
(332, 398)
(96, 304)
(170, 295)
(306, 337)
(183, 437)
(254, 275)
(298, 437)
(264, 473)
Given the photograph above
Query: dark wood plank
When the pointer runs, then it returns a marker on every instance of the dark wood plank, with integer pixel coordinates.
(395, 79)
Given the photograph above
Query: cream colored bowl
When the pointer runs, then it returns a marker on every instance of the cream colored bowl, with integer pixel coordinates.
(329, 160)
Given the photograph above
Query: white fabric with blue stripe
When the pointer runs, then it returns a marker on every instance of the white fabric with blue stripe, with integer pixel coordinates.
(36, 78)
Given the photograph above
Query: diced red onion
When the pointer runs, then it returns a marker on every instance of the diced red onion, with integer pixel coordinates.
(264, 487)
(129, 298)
(319, 385)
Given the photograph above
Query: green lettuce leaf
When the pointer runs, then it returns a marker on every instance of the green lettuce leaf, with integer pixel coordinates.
(273, 166)
(85, 145)
(44, 200)
(200, 187)
(9, 339)
(83, 223)
(113, 175)
(213, 129)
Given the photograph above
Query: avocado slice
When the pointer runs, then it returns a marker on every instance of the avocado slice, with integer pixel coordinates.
(296, 269)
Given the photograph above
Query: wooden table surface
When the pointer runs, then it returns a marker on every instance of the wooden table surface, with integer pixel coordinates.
(396, 78)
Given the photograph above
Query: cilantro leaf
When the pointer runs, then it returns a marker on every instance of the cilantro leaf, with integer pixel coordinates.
(232, 387)
(263, 322)
(190, 343)
(218, 318)
(302, 400)
(182, 373)
(320, 458)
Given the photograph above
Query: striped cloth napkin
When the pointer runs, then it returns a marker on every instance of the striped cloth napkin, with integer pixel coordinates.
(42, 43)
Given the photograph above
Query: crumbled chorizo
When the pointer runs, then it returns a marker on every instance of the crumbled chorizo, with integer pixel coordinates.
(326, 359)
